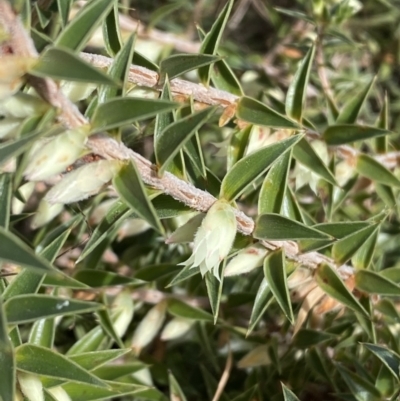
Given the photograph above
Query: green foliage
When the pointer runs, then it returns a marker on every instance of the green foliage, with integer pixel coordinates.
(139, 290)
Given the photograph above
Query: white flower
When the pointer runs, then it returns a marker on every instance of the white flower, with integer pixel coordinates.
(214, 238)
(246, 260)
(86, 181)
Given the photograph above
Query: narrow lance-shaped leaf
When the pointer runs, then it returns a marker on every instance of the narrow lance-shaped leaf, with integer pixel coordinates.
(223, 78)
(214, 292)
(122, 111)
(306, 155)
(180, 309)
(45, 362)
(374, 283)
(275, 274)
(111, 31)
(346, 133)
(64, 7)
(5, 199)
(251, 167)
(255, 112)
(273, 226)
(211, 41)
(273, 188)
(61, 63)
(13, 250)
(349, 113)
(262, 301)
(388, 357)
(375, 171)
(174, 137)
(119, 71)
(288, 395)
(330, 283)
(178, 64)
(381, 143)
(7, 361)
(363, 257)
(347, 246)
(175, 390)
(297, 90)
(28, 308)
(82, 26)
(129, 186)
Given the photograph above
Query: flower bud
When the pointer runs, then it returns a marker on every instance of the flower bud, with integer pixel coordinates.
(76, 91)
(132, 227)
(17, 206)
(23, 105)
(149, 327)
(9, 127)
(31, 386)
(45, 213)
(246, 260)
(12, 68)
(86, 181)
(175, 328)
(122, 312)
(56, 155)
(213, 239)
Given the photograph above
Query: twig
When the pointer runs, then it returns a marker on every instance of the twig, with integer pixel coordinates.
(225, 375)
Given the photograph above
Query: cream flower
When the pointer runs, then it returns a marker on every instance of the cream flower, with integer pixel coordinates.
(213, 239)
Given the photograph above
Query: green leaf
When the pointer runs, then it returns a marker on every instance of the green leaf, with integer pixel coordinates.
(381, 143)
(162, 12)
(178, 64)
(13, 250)
(212, 39)
(374, 283)
(28, 308)
(306, 338)
(119, 70)
(263, 299)
(331, 283)
(306, 155)
(156, 272)
(139, 59)
(346, 247)
(123, 111)
(288, 395)
(129, 186)
(255, 112)
(93, 360)
(42, 333)
(224, 79)
(349, 113)
(81, 27)
(85, 392)
(238, 144)
(45, 362)
(175, 390)
(181, 309)
(342, 229)
(107, 325)
(253, 166)
(389, 358)
(346, 133)
(7, 361)
(296, 94)
(112, 32)
(362, 389)
(363, 257)
(113, 372)
(174, 137)
(117, 213)
(5, 199)
(272, 226)
(63, 7)
(101, 278)
(375, 171)
(273, 189)
(214, 292)
(275, 274)
(61, 63)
